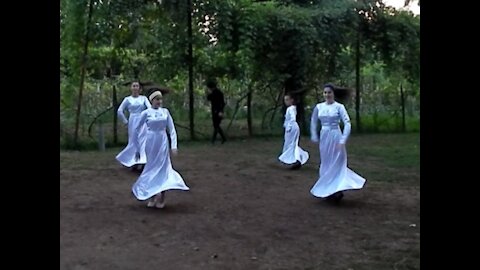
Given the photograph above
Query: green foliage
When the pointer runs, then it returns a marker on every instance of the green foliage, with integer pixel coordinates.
(266, 47)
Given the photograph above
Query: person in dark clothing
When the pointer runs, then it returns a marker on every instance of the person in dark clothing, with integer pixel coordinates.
(215, 96)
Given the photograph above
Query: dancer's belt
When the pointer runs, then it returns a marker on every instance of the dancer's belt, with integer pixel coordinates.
(330, 127)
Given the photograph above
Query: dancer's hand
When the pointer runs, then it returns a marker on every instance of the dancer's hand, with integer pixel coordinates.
(340, 145)
(174, 151)
(137, 156)
(220, 114)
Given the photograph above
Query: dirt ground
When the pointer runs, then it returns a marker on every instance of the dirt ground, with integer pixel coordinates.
(245, 210)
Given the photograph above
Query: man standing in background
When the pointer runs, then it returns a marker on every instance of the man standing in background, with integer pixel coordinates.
(215, 96)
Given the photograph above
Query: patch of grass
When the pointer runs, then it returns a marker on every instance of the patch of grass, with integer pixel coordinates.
(387, 123)
(386, 157)
(395, 150)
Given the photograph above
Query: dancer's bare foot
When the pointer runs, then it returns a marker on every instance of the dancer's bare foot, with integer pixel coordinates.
(160, 203)
(152, 201)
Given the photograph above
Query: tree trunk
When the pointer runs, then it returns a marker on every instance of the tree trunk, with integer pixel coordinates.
(402, 100)
(115, 116)
(190, 71)
(301, 114)
(83, 71)
(249, 112)
(357, 82)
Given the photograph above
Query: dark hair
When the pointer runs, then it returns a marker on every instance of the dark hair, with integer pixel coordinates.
(211, 83)
(129, 83)
(340, 93)
(292, 97)
(140, 85)
(329, 85)
(148, 92)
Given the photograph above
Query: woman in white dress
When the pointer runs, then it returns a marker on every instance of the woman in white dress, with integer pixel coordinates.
(335, 176)
(292, 154)
(158, 175)
(134, 104)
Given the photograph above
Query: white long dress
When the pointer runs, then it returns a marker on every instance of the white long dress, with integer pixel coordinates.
(158, 174)
(334, 174)
(134, 105)
(291, 152)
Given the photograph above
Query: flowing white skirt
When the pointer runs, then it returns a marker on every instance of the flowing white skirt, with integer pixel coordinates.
(127, 156)
(158, 174)
(334, 174)
(291, 151)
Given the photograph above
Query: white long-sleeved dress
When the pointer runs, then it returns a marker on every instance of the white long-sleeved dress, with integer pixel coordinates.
(158, 174)
(134, 105)
(292, 152)
(334, 174)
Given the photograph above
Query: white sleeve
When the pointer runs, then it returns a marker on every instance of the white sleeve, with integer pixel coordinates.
(314, 124)
(346, 124)
(147, 103)
(120, 110)
(171, 130)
